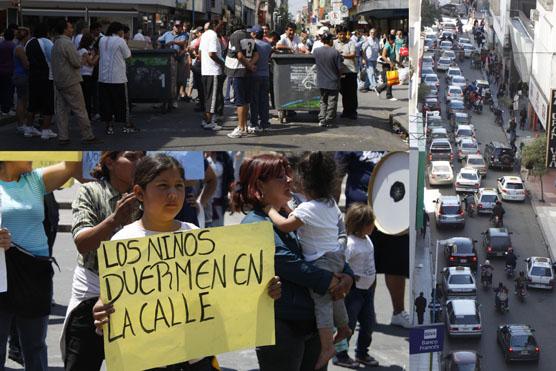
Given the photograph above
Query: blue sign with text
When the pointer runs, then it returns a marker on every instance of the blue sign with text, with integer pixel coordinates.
(426, 339)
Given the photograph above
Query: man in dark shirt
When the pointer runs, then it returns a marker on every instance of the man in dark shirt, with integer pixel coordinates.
(420, 307)
(328, 63)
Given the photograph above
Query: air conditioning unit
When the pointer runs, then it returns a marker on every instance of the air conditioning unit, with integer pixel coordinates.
(534, 15)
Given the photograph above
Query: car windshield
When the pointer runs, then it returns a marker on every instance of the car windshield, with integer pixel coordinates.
(441, 169)
(541, 271)
(469, 145)
(460, 279)
(449, 210)
(455, 91)
(456, 104)
(454, 72)
(431, 78)
(488, 198)
(458, 79)
(514, 185)
(476, 161)
(445, 61)
(465, 133)
(523, 340)
(462, 248)
(469, 176)
(500, 241)
(470, 319)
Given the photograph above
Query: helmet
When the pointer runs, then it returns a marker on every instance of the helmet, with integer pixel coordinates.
(510, 249)
(487, 262)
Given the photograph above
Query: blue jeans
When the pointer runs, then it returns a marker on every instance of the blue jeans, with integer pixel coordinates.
(370, 83)
(32, 337)
(360, 307)
(259, 109)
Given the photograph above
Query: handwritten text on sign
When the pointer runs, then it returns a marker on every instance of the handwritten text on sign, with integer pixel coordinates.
(187, 294)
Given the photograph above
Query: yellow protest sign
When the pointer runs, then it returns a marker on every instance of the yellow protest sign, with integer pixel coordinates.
(52, 156)
(187, 294)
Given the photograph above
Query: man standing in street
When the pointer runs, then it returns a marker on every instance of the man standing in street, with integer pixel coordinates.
(348, 83)
(212, 76)
(177, 39)
(329, 66)
(241, 61)
(6, 72)
(370, 51)
(259, 103)
(420, 307)
(66, 67)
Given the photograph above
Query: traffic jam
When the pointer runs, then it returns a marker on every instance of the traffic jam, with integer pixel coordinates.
(493, 277)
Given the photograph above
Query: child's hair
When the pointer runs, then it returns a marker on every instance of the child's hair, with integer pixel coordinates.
(318, 175)
(149, 167)
(359, 216)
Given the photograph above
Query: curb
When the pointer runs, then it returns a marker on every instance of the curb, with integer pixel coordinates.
(549, 248)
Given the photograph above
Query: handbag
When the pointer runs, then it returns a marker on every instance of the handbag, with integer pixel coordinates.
(30, 284)
(404, 51)
(392, 78)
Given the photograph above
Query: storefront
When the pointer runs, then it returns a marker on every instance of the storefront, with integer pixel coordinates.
(538, 106)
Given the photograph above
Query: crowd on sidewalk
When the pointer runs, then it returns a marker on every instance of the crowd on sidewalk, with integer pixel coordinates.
(225, 64)
(326, 274)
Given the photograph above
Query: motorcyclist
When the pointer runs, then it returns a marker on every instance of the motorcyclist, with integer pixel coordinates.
(498, 211)
(500, 294)
(511, 259)
(520, 282)
(486, 271)
(469, 201)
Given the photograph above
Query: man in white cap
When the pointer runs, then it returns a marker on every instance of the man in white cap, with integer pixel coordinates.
(319, 43)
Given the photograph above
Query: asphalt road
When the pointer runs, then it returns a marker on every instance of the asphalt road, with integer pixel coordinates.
(527, 241)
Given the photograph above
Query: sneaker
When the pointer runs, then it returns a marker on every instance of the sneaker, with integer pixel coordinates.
(376, 91)
(175, 105)
(237, 133)
(343, 360)
(212, 126)
(367, 360)
(392, 99)
(48, 134)
(401, 319)
(204, 124)
(252, 130)
(31, 131)
(323, 124)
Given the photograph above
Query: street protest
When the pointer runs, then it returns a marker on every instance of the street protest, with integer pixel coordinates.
(181, 270)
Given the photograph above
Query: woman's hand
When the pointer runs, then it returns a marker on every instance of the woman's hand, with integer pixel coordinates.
(275, 288)
(124, 207)
(340, 290)
(5, 239)
(101, 314)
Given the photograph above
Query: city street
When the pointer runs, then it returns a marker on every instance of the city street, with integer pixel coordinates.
(181, 129)
(527, 241)
(389, 345)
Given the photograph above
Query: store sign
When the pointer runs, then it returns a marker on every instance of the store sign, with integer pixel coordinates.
(538, 101)
(551, 133)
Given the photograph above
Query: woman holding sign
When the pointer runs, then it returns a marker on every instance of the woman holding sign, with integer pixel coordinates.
(29, 271)
(159, 185)
(265, 180)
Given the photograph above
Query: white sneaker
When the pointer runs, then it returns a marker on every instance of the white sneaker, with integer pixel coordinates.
(31, 131)
(48, 134)
(401, 319)
(204, 124)
(212, 126)
(175, 105)
(392, 99)
(236, 133)
(251, 129)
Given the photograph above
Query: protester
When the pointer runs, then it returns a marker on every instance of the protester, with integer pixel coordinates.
(177, 39)
(400, 42)
(264, 180)
(388, 63)
(66, 67)
(21, 82)
(370, 50)
(139, 35)
(348, 82)
(112, 87)
(329, 64)
(100, 209)
(6, 73)
(290, 42)
(266, 34)
(29, 296)
(196, 70)
(259, 109)
(319, 42)
(223, 168)
(241, 62)
(89, 59)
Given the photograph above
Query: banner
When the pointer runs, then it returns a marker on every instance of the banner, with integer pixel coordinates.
(186, 295)
(551, 133)
(50, 156)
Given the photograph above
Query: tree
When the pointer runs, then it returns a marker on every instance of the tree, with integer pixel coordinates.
(534, 157)
(429, 13)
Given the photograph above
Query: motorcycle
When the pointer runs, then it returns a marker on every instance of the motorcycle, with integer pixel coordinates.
(509, 271)
(486, 279)
(470, 209)
(478, 106)
(502, 304)
(488, 98)
(521, 292)
(497, 221)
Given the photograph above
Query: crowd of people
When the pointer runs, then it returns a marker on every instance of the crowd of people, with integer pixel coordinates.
(325, 266)
(44, 66)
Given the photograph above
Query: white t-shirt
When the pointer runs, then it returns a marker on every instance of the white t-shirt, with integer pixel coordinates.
(135, 230)
(86, 70)
(360, 255)
(317, 45)
(294, 44)
(139, 37)
(319, 233)
(210, 43)
(113, 53)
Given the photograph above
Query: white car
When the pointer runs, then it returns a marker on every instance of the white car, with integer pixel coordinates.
(454, 92)
(511, 188)
(458, 282)
(485, 200)
(427, 70)
(431, 80)
(476, 161)
(444, 63)
(428, 60)
(446, 45)
(440, 173)
(464, 131)
(439, 132)
(463, 317)
(453, 72)
(464, 40)
(540, 272)
(459, 81)
(467, 49)
(468, 180)
(450, 54)
(467, 146)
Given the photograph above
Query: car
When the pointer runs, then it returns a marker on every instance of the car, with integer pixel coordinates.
(438, 133)
(451, 73)
(458, 282)
(440, 150)
(449, 211)
(440, 173)
(482, 84)
(510, 188)
(468, 49)
(431, 36)
(446, 45)
(459, 81)
(434, 120)
(463, 360)
(460, 251)
(428, 60)
(430, 104)
(449, 25)
(465, 147)
(460, 118)
(477, 162)
(499, 155)
(463, 317)
(450, 54)
(540, 272)
(428, 44)
(518, 342)
(443, 64)
(431, 80)
(485, 199)
(496, 242)
(433, 91)
(455, 106)
(467, 180)
(464, 131)
(454, 92)
(464, 40)
(427, 70)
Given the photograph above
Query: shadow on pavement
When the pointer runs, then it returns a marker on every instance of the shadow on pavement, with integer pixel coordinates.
(391, 330)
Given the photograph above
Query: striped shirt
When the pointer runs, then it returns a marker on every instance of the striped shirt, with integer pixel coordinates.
(22, 211)
(95, 202)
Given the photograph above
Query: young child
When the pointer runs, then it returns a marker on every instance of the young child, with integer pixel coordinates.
(316, 221)
(359, 302)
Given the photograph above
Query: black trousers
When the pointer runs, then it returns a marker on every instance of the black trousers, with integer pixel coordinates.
(6, 93)
(88, 87)
(297, 348)
(384, 85)
(348, 89)
(420, 317)
(113, 102)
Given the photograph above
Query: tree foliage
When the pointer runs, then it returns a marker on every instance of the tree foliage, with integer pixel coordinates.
(534, 156)
(429, 13)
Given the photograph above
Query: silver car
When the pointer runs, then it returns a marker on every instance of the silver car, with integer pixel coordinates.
(463, 318)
